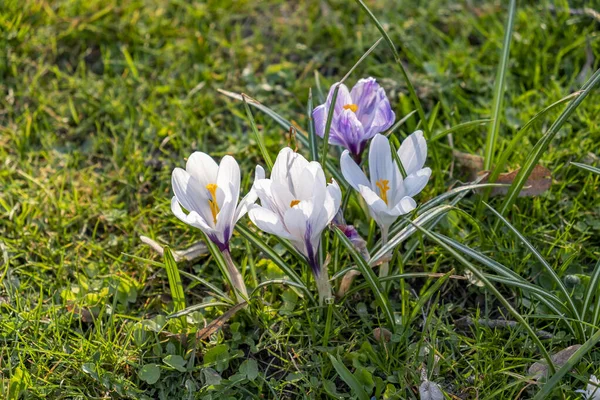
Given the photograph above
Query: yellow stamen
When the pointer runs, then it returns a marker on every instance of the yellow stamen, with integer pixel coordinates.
(294, 202)
(383, 185)
(214, 206)
(351, 107)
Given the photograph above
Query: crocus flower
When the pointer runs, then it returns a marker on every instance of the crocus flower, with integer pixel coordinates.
(297, 204)
(210, 193)
(592, 392)
(358, 115)
(387, 194)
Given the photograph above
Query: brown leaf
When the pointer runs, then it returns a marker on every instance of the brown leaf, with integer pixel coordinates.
(540, 368)
(218, 323)
(538, 182)
(470, 164)
(82, 313)
(347, 282)
(382, 334)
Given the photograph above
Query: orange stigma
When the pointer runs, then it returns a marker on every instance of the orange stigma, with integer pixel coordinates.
(294, 202)
(214, 206)
(351, 107)
(384, 186)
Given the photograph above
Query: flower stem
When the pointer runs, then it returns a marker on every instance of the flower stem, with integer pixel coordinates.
(384, 269)
(322, 280)
(236, 278)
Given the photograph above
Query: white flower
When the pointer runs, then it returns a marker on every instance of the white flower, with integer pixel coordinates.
(386, 193)
(297, 204)
(592, 392)
(210, 193)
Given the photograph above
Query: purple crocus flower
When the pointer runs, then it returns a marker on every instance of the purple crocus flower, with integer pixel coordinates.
(359, 115)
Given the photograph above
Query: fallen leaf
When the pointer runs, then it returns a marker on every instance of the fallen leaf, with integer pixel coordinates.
(430, 391)
(540, 368)
(194, 251)
(347, 282)
(471, 164)
(382, 334)
(82, 313)
(218, 323)
(538, 182)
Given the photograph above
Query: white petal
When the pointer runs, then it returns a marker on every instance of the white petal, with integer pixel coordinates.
(202, 167)
(226, 216)
(295, 172)
(352, 172)
(192, 218)
(415, 182)
(259, 173)
(413, 152)
(377, 207)
(191, 194)
(282, 164)
(381, 166)
(404, 206)
(311, 183)
(267, 221)
(228, 178)
(246, 201)
(276, 202)
(251, 197)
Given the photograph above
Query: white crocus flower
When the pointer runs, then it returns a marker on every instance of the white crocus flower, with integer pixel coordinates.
(297, 204)
(592, 392)
(387, 194)
(210, 193)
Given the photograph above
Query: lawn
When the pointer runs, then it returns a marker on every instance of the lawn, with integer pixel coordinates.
(102, 99)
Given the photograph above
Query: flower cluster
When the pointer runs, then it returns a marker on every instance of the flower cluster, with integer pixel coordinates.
(296, 202)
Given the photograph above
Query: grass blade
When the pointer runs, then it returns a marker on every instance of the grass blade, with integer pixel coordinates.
(405, 233)
(175, 286)
(257, 135)
(312, 136)
(508, 276)
(569, 365)
(411, 89)
(464, 126)
(197, 307)
(479, 275)
(256, 241)
(547, 267)
(592, 291)
(492, 136)
(328, 123)
(517, 139)
(371, 278)
(587, 167)
(349, 378)
(398, 124)
(216, 291)
(544, 142)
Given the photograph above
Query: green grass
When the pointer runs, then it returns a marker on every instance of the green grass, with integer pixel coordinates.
(100, 100)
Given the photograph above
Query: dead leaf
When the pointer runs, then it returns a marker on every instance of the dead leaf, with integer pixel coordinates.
(538, 182)
(382, 334)
(347, 282)
(430, 391)
(84, 314)
(540, 368)
(470, 164)
(218, 323)
(194, 251)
